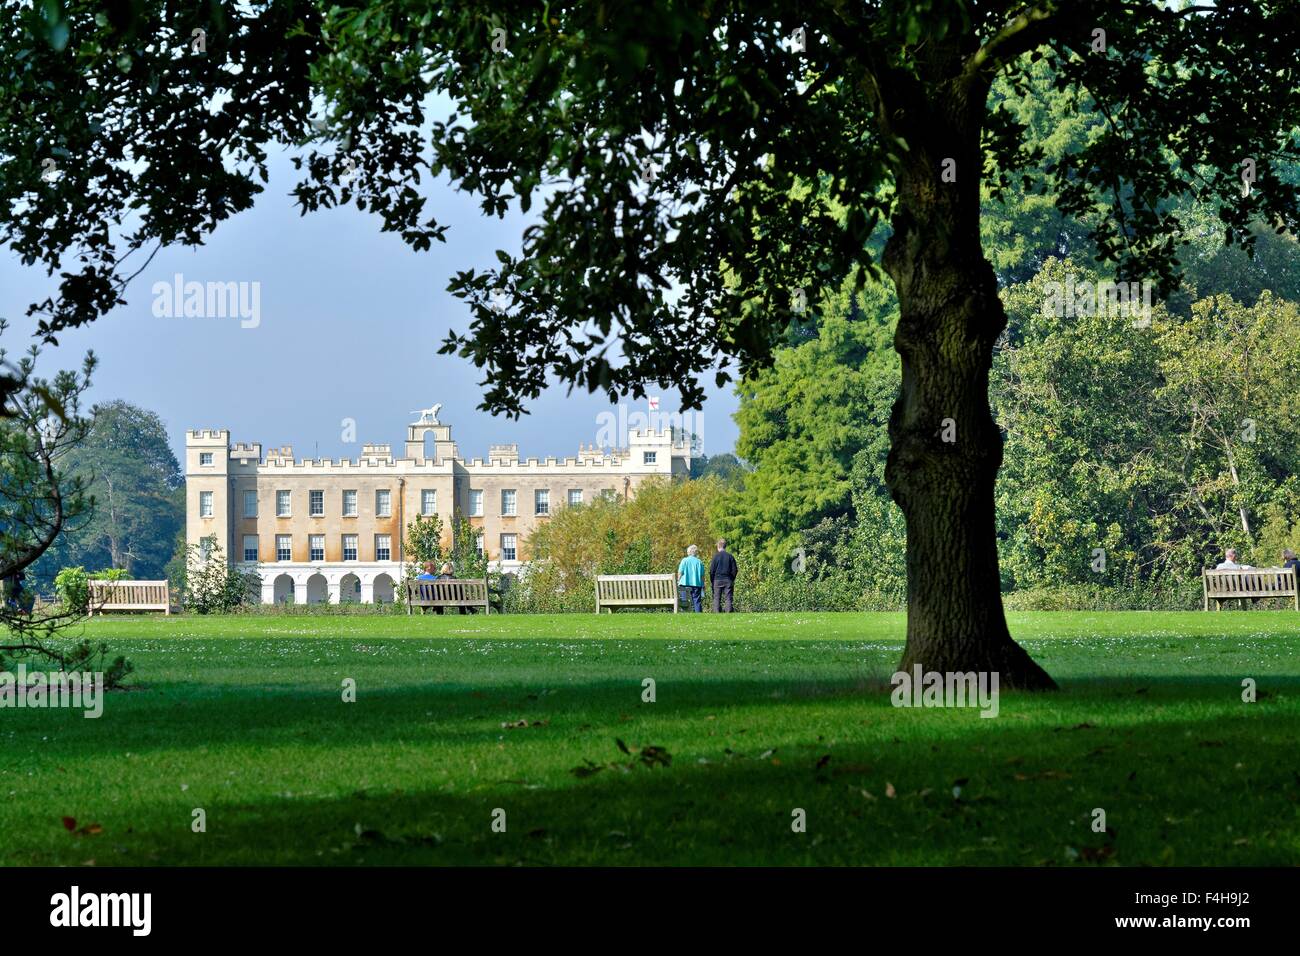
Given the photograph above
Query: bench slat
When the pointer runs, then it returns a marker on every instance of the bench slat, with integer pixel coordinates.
(636, 590)
(1220, 586)
(129, 596)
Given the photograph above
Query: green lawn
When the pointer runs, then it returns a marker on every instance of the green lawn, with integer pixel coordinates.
(760, 714)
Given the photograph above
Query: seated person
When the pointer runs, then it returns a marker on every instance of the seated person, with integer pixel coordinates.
(446, 573)
(1230, 564)
(1289, 560)
(426, 572)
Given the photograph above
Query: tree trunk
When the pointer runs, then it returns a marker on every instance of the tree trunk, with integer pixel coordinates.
(945, 446)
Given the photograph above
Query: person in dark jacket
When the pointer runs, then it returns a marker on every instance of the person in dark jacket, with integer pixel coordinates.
(722, 576)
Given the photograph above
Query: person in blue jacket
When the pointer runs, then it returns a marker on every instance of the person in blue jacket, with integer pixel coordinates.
(690, 578)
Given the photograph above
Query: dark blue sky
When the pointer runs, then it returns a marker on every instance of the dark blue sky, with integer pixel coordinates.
(350, 323)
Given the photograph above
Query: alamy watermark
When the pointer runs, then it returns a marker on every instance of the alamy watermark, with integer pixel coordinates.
(208, 300)
(946, 689)
(36, 691)
(613, 429)
(1130, 300)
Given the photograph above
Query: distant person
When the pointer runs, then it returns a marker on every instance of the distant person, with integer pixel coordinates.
(447, 573)
(690, 578)
(1230, 562)
(426, 572)
(1289, 560)
(17, 597)
(722, 575)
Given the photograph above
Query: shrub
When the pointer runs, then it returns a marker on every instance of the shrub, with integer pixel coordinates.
(212, 585)
(72, 585)
(112, 574)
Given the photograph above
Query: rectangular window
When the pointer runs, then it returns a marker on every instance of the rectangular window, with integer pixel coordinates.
(316, 503)
(649, 457)
(349, 504)
(476, 502)
(428, 501)
(349, 547)
(508, 502)
(205, 504)
(316, 547)
(282, 504)
(383, 547)
(250, 504)
(383, 503)
(205, 458)
(575, 496)
(250, 547)
(283, 547)
(542, 501)
(478, 543)
(508, 547)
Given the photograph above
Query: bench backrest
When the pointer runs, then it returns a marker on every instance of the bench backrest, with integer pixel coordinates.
(448, 591)
(132, 594)
(636, 589)
(1258, 582)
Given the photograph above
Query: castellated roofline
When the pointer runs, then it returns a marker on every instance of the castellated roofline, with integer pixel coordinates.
(248, 457)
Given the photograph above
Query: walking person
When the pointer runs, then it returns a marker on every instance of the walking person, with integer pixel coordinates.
(690, 578)
(722, 576)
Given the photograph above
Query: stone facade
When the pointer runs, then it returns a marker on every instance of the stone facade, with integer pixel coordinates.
(323, 530)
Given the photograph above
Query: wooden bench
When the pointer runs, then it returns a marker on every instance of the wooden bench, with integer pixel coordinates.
(448, 592)
(1220, 586)
(636, 590)
(108, 596)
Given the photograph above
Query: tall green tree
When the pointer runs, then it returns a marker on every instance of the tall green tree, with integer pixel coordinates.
(695, 166)
(130, 469)
(803, 421)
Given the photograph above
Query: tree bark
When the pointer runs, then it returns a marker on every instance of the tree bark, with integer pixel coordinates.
(946, 448)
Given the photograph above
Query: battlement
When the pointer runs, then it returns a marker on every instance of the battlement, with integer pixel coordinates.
(249, 450)
(207, 437)
(248, 458)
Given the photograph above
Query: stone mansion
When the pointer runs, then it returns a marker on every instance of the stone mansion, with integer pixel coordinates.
(321, 530)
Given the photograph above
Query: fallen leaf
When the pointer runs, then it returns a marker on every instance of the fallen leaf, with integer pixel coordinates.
(69, 823)
(890, 791)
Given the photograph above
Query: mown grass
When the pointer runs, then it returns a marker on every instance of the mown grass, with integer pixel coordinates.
(760, 714)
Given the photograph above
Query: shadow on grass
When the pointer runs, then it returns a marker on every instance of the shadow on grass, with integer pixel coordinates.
(1185, 772)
